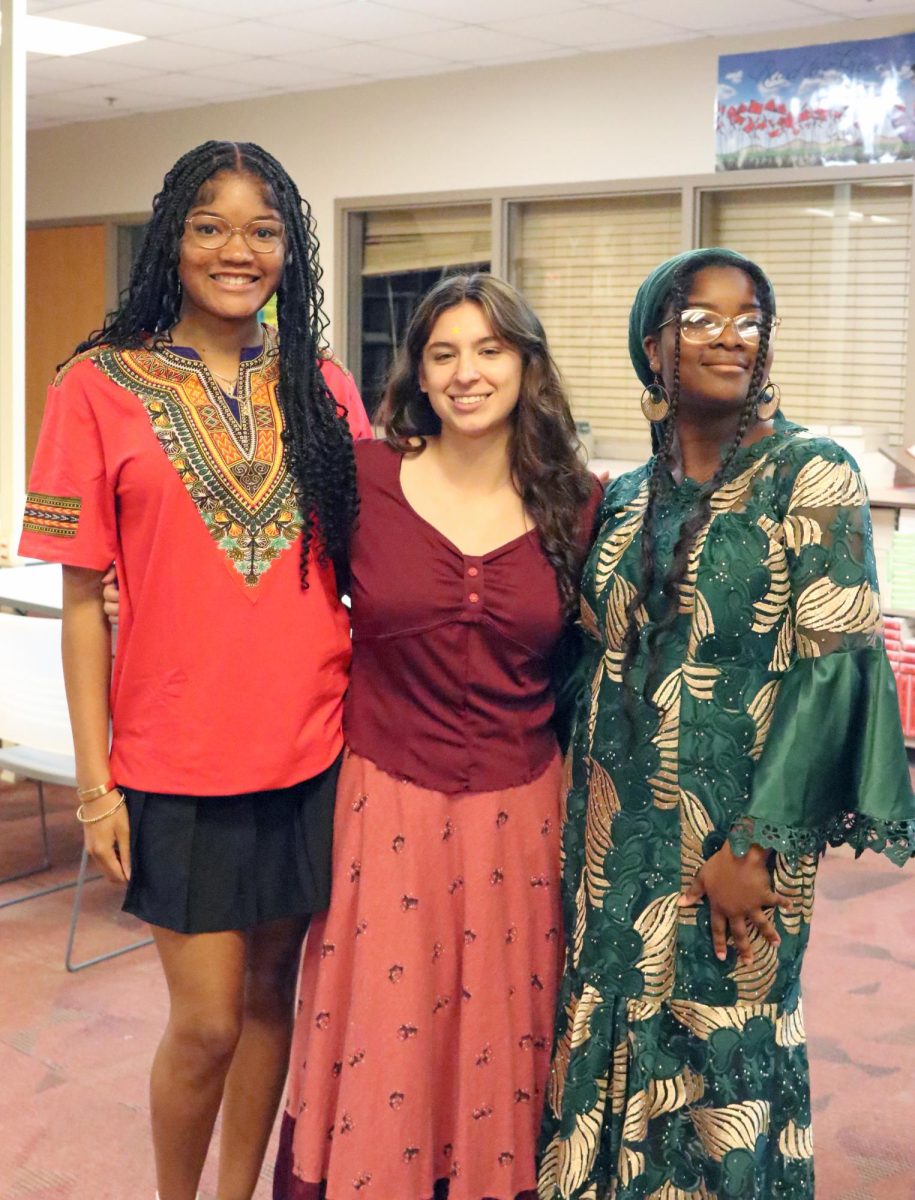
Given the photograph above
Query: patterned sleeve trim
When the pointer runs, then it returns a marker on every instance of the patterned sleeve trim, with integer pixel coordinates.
(57, 516)
(895, 839)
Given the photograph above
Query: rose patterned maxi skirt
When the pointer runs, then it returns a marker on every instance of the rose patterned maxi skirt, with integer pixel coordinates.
(425, 1015)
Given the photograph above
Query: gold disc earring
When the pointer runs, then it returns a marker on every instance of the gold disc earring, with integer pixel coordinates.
(655, 401)
(768, 400)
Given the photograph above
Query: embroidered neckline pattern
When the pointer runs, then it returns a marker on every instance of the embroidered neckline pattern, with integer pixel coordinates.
(235, 471)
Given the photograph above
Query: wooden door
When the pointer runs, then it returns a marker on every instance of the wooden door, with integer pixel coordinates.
(66, 285)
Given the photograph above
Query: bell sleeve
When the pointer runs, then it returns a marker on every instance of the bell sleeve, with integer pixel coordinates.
(834, 767)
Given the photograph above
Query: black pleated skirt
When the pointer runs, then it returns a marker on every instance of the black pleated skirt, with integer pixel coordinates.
(205, 864)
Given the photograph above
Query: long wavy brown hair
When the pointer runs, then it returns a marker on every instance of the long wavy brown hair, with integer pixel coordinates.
(550, 477)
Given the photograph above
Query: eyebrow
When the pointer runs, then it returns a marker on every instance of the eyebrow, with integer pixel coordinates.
(707, 304)
(211, 212)
(450, 345)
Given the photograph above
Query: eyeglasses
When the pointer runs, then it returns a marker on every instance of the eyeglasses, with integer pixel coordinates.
(703, 326)
(210, 233)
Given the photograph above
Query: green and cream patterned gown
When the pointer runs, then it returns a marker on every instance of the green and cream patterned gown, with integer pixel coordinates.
(775, 720)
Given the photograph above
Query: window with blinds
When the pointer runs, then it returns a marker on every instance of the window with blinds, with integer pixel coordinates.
(579, 263)
(418, 239)
(405, 251)
(839, 258)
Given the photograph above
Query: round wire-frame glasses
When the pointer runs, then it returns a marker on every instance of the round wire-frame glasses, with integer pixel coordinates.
(261, 235)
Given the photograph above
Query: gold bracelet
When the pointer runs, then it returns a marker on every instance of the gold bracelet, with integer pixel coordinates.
(101, 817)
(94, 793)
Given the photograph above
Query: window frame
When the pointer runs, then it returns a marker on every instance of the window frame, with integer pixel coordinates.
(692, 189)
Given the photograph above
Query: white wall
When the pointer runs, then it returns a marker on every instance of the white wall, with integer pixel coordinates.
(627, 115)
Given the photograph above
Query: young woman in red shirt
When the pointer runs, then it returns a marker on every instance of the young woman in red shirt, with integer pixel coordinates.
(213, 463)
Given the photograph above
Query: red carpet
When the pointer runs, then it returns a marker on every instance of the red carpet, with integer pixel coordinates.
(75, 1049)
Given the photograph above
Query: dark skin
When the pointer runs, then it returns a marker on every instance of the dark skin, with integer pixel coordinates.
(714, 378)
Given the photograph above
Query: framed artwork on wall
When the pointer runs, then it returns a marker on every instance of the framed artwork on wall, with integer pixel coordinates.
(834, 104)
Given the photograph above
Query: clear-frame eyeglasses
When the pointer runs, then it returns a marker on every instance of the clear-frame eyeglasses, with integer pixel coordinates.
(262, 236)
(703, 325)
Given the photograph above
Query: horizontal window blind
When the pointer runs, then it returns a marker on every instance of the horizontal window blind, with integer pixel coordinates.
(839, 258)
(416, 239)
(579, 263)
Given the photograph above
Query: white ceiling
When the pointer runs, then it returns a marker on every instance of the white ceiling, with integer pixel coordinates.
(208, 51)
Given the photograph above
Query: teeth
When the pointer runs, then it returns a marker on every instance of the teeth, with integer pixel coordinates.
(234, 280)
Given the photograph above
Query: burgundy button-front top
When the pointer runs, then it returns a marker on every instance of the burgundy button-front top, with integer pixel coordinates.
(450, 687)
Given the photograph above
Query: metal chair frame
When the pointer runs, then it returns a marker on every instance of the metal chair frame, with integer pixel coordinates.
(42, 765)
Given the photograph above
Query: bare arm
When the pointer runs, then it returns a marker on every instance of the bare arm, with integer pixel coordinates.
(87, 674)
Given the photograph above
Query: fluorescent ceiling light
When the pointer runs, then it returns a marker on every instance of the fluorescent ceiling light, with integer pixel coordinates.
(44, 35)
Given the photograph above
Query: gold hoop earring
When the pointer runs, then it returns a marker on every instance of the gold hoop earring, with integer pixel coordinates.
(768, 400)
(655, 401)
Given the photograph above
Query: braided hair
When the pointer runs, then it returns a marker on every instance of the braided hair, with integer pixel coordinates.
(316, 435)
(663, 440)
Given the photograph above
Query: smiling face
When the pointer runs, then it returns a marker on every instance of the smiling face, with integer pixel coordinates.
(232, 282)
(471, 377)
(716, 373)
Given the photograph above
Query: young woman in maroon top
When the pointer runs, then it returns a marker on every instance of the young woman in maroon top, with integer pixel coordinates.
(425, 1018)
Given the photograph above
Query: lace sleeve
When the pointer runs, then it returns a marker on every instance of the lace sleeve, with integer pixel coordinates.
(834, 766)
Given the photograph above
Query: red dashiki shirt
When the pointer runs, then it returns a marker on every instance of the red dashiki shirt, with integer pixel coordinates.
(228, 676)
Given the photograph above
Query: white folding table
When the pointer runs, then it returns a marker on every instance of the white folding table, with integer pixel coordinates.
(34, 589)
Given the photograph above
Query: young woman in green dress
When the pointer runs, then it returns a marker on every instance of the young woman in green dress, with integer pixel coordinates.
(738, 715)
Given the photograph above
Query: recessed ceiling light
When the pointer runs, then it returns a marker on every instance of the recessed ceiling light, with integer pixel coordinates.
(45, 35)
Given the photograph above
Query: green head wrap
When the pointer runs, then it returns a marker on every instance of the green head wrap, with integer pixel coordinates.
(651, 298)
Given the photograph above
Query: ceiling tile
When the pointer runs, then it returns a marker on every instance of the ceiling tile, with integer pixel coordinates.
(286, 74)
(54, 109)
(366, 20)
(376, 61)
(81, 70)
(145, 17)
(484, 12)
(259, 37)
(603, 28)
(83, 104)
(863, 8)
(33, 7)
(197, 87)
(716, 17)
(198, 50)
(113, 102)
(42, 87)
(243, 9)
(157, 54)
(474, 44)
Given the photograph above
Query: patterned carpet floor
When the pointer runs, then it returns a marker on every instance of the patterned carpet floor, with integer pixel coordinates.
(75, 1049)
